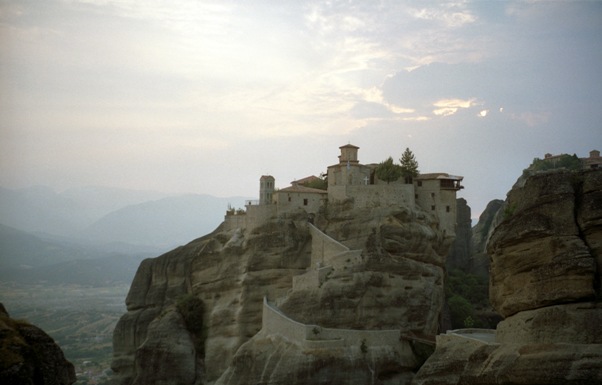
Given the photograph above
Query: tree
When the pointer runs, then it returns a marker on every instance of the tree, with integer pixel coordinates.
(566, 161)
(320, 183)
(460, 309)
(409, 165)
(388, 171)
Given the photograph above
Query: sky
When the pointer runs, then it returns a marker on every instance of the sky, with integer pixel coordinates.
(184, 96)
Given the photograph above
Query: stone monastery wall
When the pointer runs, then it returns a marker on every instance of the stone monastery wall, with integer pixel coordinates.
(327, 254)
(255, 216)
(374, 195)
(323, 247)
(313, 336)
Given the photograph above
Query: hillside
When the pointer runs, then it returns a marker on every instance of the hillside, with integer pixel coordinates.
(21, 249)
(99, 215)
(163, 223)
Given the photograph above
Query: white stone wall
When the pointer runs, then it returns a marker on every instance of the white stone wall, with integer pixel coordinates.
(323, 247)
(375, 195)
(276, 323)
(258, 215)
(232, 222)
(327, 254)
(290, 201)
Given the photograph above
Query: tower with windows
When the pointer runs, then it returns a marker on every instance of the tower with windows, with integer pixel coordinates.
(266, 189)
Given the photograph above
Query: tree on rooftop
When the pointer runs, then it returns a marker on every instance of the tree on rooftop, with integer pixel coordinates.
(388, 171)
(409, 165)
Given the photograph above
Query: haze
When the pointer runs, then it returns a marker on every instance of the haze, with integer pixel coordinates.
(205, 97)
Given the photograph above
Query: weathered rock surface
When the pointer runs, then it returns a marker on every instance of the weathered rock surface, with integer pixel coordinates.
(30, 356)
(576, 323)
(541, 253)
(267, 359)
(460, 253)
(395, 284)
(488, 220)
(545, 277)
(462, 362)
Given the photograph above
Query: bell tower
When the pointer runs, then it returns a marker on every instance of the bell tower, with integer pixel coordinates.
(266, 189)
(348, 154)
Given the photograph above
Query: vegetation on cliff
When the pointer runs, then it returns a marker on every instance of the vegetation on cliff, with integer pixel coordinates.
(467, 296)
(409, 165)
(569, 162)
(388, 171)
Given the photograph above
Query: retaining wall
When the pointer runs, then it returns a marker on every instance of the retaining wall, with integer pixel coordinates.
(326, 254)
(311, 336)
(476, 337)
(323, 247)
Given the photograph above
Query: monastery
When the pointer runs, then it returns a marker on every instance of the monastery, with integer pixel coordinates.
(594, 160)
(354, 183)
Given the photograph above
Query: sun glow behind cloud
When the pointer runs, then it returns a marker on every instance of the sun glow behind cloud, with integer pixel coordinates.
(447, 107)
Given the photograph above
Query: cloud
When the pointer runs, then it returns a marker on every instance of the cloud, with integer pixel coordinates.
(416, 119)
(451, 15)
(447, 107)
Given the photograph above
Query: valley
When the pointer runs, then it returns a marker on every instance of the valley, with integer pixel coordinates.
(79, 318)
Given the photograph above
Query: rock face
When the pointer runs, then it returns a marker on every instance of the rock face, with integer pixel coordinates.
(488, 220)
(460, 253)
(547, 250)
(30, 356)
(393, 281)
(545, 281)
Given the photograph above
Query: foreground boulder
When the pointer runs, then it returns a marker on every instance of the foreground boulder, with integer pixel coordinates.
(30, 356)
(545, 280)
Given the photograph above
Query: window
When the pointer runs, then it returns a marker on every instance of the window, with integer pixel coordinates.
(415, 196)
(433, 207)
(289, 198)
(305, 202)
(447, 208)
(432, 195)
(419, 183)
(447, 183)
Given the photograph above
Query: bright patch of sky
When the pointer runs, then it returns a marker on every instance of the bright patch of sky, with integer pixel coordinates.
(206, 96)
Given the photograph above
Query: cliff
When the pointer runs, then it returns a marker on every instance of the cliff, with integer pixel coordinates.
(359, 270)
(488, 220)
(30, 356)
(460, 253)
(546, 264)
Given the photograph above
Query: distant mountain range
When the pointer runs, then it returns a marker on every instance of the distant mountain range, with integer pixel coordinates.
(163, 223)
(96, 236)
(104, 216)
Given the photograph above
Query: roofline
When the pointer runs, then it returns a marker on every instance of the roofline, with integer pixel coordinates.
(438, 175)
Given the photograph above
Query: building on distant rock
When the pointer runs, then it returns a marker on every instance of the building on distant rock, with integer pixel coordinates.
(354, 183)
(594, 160)
(266, 189)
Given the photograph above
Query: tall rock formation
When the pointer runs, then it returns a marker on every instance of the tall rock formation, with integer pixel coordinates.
(546, 264)
(390, 280)
(30, 356)
(488, 220)
(460, 253)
